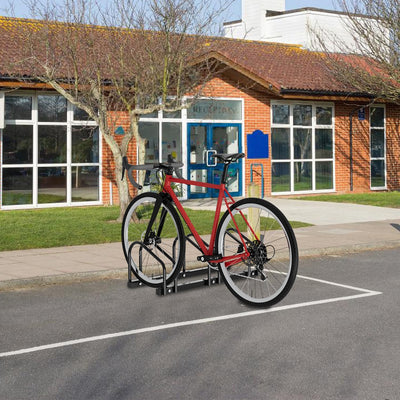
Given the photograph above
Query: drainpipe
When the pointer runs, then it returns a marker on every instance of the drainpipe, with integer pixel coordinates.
(351, 149)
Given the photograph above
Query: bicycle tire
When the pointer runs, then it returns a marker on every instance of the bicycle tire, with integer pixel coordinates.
(164, 247)
(266, 276)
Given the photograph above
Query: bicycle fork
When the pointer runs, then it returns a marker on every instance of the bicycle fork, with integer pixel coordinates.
(152, 238)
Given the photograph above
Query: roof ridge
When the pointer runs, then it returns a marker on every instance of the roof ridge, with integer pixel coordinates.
(211, 38)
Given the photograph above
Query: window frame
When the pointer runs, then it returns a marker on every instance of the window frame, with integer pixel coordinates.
(36, 165)
(312, 158)
(383, 158)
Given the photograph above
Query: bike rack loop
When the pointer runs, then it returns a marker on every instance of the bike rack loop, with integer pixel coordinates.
(164, 289)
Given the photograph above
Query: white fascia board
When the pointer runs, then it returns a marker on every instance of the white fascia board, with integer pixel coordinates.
(2, 110)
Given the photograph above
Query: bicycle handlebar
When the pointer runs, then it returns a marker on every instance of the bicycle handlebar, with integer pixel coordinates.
(166, 167)
(169, 168)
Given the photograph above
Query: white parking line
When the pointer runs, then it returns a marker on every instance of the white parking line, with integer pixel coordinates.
(364, 293)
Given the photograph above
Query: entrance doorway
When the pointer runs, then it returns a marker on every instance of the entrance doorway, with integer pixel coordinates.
(204, 140)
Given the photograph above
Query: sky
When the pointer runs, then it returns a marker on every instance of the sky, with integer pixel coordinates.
(21, 11)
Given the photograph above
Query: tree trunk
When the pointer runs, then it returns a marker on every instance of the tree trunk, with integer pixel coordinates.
(122, 185)
(123, 188)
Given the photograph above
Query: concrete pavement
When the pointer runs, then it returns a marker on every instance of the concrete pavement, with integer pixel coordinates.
(337, 228)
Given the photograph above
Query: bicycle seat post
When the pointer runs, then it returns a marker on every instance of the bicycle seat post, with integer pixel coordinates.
(224, 178)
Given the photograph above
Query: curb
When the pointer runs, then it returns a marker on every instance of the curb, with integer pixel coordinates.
(357, 248)
(37, 282)
(40, 281)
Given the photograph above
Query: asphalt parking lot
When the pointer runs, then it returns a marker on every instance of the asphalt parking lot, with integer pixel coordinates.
(334, 337)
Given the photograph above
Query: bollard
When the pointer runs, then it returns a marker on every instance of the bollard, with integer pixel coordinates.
(253, 190)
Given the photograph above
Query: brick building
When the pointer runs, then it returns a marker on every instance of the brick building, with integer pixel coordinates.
(322, 138)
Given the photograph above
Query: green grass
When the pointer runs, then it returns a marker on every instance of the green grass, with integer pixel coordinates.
(380, 199)
(68, 226)
(52, 227)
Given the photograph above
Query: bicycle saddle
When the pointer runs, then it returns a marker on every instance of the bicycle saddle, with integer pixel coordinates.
(228, 158)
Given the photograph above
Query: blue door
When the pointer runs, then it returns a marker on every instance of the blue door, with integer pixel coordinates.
(204, 140)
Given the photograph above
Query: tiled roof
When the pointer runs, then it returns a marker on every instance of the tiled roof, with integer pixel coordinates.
(280, 66)
(285, 67)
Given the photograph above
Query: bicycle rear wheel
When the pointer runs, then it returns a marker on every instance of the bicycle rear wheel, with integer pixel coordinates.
(165, 243)
(264, 274)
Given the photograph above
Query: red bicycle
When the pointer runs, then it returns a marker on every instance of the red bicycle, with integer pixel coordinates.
(252, 244)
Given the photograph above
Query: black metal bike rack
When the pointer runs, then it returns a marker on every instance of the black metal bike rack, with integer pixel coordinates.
(181, 282)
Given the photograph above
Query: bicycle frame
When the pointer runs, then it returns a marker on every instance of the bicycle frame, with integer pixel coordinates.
(223, 194)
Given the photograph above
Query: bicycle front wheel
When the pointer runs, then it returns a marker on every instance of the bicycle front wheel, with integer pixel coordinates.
(262, 251)
(162, 248)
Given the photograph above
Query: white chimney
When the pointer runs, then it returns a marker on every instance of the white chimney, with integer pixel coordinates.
(253, 14)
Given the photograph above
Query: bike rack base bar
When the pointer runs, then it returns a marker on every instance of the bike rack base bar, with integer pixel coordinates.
(134, 284)
(179, 286)
(211, 279)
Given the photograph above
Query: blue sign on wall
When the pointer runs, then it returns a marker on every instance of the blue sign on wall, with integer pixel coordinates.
(257, 145)
(120, 131)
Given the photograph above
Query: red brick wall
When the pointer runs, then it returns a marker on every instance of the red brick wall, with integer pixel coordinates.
(361, 158)
(1, 159)
(361, 149)
(393, 147)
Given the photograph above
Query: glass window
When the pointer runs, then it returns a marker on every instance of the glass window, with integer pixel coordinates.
(80, 115)
(85, 145)
(52, 185)
(302, 143)
(281, 177)
(85, 183)
(377, 117)
(198, 145)
(18, 107)
(174, 114)
(302, 176)
(307, 143)
(302, 115)
(52, 108)
(149, 132)
(154, 114)
(280, 143)
(18, 144)
(377, 147)
(225, 139)
(323, 143)
(199, 175)
(378, 173)
(377, 143)
(324, 115)
(52, 144)
(171, 142)
(17, 186)
(44, 119)
(280, 113)
(324, 175)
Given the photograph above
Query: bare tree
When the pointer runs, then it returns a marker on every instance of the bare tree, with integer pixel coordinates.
(132, 58)
(370, 62)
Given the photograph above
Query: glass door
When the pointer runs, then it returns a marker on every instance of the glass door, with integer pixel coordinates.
(204, 140)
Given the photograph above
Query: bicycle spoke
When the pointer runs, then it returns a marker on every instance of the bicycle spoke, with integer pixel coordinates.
(161, 242)
(271, 250)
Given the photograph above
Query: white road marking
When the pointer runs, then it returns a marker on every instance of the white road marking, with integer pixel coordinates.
(337, 284)
(365, 293)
